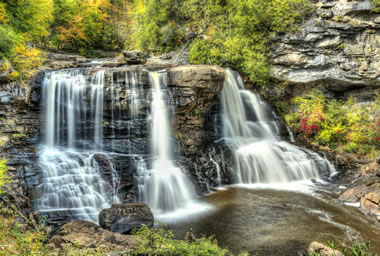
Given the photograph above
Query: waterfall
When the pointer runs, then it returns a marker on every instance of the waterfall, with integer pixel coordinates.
(72, 179)
(164, 187)
(252, 134)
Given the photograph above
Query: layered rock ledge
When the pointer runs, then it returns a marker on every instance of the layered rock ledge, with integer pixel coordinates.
(337, 50)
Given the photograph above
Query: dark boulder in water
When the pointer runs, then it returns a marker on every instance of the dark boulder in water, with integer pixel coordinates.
(123, 218)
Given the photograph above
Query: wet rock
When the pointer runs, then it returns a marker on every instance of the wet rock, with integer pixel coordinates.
(323, 250)
(112, 64)
(123, 218)
(89, 235)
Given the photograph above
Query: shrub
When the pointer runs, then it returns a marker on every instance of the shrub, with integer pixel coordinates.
(159, 241)
(25, 60)
(18, 239)
(344, 125)
(376, 4)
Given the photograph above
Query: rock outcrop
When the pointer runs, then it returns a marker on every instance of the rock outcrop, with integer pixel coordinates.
(55, 61)
(370, 202)
(316, 248)
(337, 50)
(123, 218)
(89, 235)
(19, 128)
(367, 196)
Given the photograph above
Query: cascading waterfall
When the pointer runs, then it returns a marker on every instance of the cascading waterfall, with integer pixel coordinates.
(259, 154)
(165, 188)
(71, 177)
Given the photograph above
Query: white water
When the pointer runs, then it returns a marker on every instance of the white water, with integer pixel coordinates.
(259, 154)
(71, 177)
(164, 187)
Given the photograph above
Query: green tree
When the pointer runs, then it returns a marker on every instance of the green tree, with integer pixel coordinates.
(31, 18)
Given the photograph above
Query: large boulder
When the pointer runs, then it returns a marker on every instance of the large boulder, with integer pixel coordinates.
(370, 202)
(316, 248)
(368, 196)
(89, 235)
(132, 57)
(353, 195)
(122, 218)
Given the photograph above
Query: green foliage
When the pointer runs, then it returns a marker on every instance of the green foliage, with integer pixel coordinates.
(9, 40)
(234, 33)
(239, 33)
(82, 26)
(30, 18)
(159, 241)
(376, 4)
(4, 178)
(18, 135)
(339, 18)
(156, 26)
(78, 250)
(19, 239)
(22, 22)
(362, 249)
(358, 249)
(347, 126)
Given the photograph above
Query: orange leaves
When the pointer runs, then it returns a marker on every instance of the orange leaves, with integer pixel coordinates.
(72, 31)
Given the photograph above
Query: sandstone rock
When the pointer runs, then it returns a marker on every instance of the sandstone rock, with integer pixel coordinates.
(337, 52)
(322, 250)
(58, 61)
(369, 207)
(90, 235)
(353, 195)
(328, 42)
(370, 202)
(65, 57)
(197, 76)
(377, 20)
(122, 218)
(112, 64)
(373, 197)
(4, 140)
(133, 57)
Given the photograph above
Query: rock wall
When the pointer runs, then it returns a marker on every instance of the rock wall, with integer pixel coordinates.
(19, 129)
(337, 50)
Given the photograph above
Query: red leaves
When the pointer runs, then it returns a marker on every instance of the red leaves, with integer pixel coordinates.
(308, 126)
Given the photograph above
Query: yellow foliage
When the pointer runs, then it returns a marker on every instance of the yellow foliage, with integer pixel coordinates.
(4, 178)
(18, 240)
(25, 60)
(72, 31)
(3, 14)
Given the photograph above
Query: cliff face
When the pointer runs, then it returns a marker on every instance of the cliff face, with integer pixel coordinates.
(337, 50)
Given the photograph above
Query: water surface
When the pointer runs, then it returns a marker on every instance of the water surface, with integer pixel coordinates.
(276, 222)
